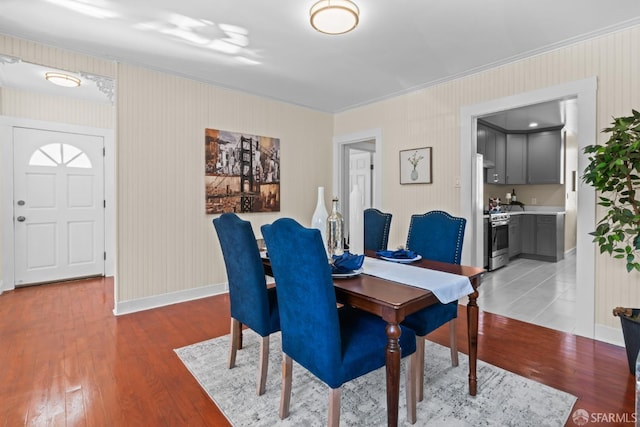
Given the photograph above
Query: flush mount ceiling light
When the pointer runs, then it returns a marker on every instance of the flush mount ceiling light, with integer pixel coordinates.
(61, 79)
(334, 16)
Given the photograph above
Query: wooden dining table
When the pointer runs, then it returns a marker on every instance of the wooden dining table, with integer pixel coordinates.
(394, 301)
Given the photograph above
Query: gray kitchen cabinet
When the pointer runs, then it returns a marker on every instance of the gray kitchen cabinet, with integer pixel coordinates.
(516, 159)
(481, 148)
(481, 140)
(527, 234)
(495, 151)
(514, 236)
(545, 157)
(550, 236)
(541, 237)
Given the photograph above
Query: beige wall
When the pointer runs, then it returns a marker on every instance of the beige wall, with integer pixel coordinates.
(431, 117)
(19, 103)
(166, 242)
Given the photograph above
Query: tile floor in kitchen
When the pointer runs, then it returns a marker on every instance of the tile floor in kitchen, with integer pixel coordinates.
(538, 292)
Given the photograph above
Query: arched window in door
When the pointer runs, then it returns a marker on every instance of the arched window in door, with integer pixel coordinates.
(60, 155)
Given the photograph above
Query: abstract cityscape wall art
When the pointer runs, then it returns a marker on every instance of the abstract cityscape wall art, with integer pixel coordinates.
(242, 172)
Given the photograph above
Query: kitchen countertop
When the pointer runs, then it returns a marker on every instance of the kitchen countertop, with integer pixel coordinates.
(533, 210)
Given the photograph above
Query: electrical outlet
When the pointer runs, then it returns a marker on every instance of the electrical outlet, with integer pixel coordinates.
(456, 184)
(534, 201)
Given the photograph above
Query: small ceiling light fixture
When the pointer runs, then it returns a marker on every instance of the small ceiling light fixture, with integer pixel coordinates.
(61, 79)
(334, 16)
(533, 125)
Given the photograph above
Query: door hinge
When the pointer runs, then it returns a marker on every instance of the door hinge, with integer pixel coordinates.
(105, 255)
(104, 152)
(371, 166)
(104, 203)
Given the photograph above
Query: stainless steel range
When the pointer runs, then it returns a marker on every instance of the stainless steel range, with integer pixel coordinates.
(498, 240)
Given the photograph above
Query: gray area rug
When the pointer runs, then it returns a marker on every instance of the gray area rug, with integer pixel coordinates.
(503, 398)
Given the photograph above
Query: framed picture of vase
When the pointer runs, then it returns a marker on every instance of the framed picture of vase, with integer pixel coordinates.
(415, 166)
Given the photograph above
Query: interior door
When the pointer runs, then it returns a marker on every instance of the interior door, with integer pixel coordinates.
(360, 173)
(58, 205)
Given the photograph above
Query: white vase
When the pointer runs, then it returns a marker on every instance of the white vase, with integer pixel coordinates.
(356, 222)
(319, 218)
(414, 174)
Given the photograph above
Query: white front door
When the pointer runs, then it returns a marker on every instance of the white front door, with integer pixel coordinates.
(58, 205)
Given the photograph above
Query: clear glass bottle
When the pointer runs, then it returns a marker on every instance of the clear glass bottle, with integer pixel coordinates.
(335, 231)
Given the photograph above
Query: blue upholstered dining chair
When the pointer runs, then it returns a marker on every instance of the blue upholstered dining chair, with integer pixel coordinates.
(376, 229)
(335, 345)
(252, 304)
(436, 236)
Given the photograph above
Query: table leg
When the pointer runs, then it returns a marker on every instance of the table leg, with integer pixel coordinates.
(472, 330)
(393, 373)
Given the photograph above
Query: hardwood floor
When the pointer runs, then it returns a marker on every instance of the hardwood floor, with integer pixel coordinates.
(67, 360)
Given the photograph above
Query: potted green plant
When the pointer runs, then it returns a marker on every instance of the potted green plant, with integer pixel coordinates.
(614, 170)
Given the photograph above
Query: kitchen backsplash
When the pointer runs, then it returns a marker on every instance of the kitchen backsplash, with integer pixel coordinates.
(530, 195)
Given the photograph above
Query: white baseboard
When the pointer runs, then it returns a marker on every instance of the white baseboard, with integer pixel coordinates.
(609, 335)
(132, 306)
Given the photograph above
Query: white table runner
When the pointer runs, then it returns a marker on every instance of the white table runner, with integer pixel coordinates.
(447, 287)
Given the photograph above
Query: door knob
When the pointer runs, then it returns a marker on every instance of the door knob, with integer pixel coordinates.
(21, 219)
(20, 202)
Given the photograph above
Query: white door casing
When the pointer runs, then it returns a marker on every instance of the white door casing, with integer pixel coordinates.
(585, 93)
(58, 205)
(78, 181)
(343, 147)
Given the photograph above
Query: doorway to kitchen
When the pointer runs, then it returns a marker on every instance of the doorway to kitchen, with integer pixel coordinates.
(584, 91)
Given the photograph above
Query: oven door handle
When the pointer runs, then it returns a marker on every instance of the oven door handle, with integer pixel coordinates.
(499, 223)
